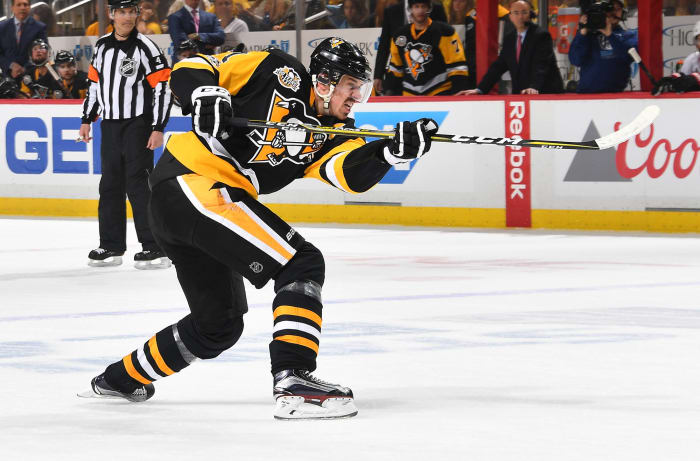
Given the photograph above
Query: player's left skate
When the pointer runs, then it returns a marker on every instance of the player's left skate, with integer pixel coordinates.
(300, 395)
(151, 259)
(100, 389)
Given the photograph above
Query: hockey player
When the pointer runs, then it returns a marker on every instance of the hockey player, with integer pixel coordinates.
(207, 218)
(37, 82)
(427, 57)
(75, 82)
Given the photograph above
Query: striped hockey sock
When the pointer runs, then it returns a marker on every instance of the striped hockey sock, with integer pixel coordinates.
(162, 355)
(297, 331)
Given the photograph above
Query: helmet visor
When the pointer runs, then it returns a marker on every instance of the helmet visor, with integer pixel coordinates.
(355, 88)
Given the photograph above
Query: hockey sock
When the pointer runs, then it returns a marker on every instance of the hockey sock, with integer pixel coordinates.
(161, 356)
(297, 331)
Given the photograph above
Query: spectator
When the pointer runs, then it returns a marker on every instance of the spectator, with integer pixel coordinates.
(691, 64)
(232, 25)
(602, 54)
(462, 12)
(43, 13)
(313, 7)
(16, 35)
(148, 23)
(394, 17)
(75, 82)
(94, 28)
(265, 14)
(355, 14)
(528, 54)
(427, 57)
(199, 26)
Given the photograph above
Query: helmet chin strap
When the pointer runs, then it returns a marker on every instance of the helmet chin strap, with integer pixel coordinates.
(326, 98)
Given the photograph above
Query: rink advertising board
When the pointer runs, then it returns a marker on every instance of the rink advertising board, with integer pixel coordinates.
(648, 183)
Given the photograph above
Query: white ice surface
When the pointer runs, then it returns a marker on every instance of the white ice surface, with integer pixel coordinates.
(459, 345)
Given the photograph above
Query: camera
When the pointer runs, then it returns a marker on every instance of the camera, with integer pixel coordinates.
(597, 14)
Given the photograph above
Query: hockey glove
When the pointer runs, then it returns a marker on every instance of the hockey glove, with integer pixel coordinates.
(411, 141)
(680, 83)
(211, 111)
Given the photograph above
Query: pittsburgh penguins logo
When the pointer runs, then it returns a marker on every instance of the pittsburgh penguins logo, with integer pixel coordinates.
(276, 146)
(417, 55)
(336, 42)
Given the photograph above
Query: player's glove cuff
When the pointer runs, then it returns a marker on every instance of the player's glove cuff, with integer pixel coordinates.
(212, 112)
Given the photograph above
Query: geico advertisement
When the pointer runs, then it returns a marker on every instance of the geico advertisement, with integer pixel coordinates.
(41, 150)
(657, 169)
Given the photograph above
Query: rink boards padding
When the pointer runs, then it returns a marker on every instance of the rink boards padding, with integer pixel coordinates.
(649, 183)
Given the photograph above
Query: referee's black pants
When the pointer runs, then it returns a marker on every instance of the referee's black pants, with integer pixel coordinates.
(126, 164)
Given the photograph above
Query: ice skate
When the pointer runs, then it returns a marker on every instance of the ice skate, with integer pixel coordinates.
(151, 259)
(99, 257)
(300, 395)
(101, 390)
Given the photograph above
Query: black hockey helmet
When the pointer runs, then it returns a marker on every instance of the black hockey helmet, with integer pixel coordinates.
(64, 57)
(117, 4)
(8, 88)
(39, 42)
(425, 2)
(187, 45)
(333, 58)
(336, 57)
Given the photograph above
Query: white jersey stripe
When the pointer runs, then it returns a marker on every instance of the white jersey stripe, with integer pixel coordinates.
(230, 225)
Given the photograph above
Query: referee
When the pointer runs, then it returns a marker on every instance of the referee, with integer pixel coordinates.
(129, 88)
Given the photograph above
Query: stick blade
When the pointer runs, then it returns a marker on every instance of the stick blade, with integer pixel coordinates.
(643, 120)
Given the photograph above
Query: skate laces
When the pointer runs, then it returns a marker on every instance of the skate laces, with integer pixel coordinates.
(309, 377)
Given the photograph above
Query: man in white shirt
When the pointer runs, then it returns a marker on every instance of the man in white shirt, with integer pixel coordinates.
(692, 62)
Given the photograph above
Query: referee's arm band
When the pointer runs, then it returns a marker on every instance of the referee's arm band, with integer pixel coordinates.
(93, 75)
(158, 76)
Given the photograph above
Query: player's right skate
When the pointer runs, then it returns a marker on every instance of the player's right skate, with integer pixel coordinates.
(300, 395)
(100, 389)
(99, 257)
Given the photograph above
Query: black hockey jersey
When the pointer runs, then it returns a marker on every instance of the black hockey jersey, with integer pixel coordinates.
(266, 85)
(78, 88)
(427, 62)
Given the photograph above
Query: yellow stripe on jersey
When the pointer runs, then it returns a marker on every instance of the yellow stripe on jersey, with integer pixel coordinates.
(190, 151)
(341, 151)
(155, 353)
(129, 365)
(301, 341)
(453, 52)
(236, 71)
(213, 201)
(298, 312)
(194, 63)
(396, 61)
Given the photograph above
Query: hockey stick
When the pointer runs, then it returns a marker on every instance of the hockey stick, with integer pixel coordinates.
(638, 59)
(54, 74)
(643, 120)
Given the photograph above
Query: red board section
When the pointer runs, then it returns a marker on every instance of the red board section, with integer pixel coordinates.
(518, 185)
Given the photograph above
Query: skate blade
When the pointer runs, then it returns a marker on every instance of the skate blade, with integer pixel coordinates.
(90, 394)
(158, 263)
(296, 408)
(111, 261)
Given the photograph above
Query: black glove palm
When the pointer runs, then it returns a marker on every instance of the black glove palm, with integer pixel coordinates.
(212, 113)
(411, 141)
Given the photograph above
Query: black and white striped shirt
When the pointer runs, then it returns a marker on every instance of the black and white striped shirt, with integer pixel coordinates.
(128, 78)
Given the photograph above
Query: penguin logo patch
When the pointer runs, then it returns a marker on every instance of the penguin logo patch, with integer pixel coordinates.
(275, 145)
(288, 78)
(417, 55)
(336, 42)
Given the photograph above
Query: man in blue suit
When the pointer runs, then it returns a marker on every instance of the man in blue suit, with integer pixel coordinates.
(190, 23)
(16, 34)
